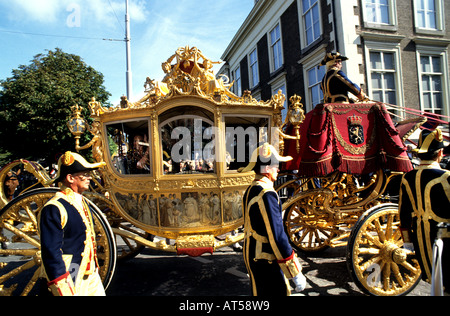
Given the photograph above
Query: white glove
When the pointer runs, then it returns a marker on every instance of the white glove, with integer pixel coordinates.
(300, 282)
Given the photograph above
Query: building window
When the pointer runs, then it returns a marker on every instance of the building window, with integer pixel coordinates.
(276, 48)
(377, 11)
(238, 82)
(383, 77)
(431, 76)
(380, 14)
(254, 72)
(384, 73)
(429, 15)
(315, 76)
(432, 63)
(426, 14)
(311, 20)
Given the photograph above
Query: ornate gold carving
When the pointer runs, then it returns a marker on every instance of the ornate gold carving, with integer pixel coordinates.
(195, 241)
(96, 142)
(295, 116)
(187, 73)
(237, 180)
(96, 108)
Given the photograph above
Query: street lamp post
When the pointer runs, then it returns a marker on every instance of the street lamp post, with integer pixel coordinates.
(128, 48)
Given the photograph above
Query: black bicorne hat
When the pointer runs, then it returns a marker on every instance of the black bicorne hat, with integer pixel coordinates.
(430, 141)
(71, 163)
(332, 58)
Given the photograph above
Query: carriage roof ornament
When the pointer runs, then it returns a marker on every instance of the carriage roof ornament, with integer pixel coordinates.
(187, 72)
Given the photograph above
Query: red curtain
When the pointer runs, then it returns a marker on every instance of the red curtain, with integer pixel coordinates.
(354, 138)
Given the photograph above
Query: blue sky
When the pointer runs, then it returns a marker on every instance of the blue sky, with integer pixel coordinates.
(158, 28)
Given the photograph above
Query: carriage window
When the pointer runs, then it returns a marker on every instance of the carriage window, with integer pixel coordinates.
(187, 141)
(243, 134)
(129, 146)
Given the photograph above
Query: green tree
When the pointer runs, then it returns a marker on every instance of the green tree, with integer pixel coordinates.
(35, 105)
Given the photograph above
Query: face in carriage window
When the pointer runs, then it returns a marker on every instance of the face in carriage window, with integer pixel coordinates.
(129, 147)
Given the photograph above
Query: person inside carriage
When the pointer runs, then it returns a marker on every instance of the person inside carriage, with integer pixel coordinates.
(139, 155)
(335, 84)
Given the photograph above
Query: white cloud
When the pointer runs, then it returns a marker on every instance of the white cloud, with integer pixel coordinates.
(36, 10)
(138, 11)
(111, 13)
(108, 13)
(158, 29)
(200, 23)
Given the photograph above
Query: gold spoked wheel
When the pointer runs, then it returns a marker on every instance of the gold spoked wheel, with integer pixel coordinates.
(20, 256)
(20, 176)
(308, 227)
(375, 257)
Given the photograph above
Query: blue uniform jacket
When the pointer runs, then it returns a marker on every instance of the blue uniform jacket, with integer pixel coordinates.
(336, 86)
(266, 237)
(63, 231)
(425, 202)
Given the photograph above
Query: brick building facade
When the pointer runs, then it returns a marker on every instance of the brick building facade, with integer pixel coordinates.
(397, 49)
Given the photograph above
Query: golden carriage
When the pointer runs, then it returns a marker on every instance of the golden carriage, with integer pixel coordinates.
(171, 183)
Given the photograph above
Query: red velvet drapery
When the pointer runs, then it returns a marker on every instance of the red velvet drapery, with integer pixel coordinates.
(354, 138)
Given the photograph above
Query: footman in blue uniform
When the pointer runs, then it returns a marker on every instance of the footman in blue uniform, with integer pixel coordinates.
(424, 206)
(335, 84)
(66, 228)
(270, 260)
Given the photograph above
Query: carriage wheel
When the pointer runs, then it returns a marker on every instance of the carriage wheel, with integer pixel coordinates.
(127, 248)
(20, 262)
(375, 257)
(308, 230)
(27, 175)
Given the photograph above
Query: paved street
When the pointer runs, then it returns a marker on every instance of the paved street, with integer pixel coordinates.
(223, 274)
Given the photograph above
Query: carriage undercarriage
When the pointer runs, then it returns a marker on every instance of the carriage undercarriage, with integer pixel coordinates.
(367, 224)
